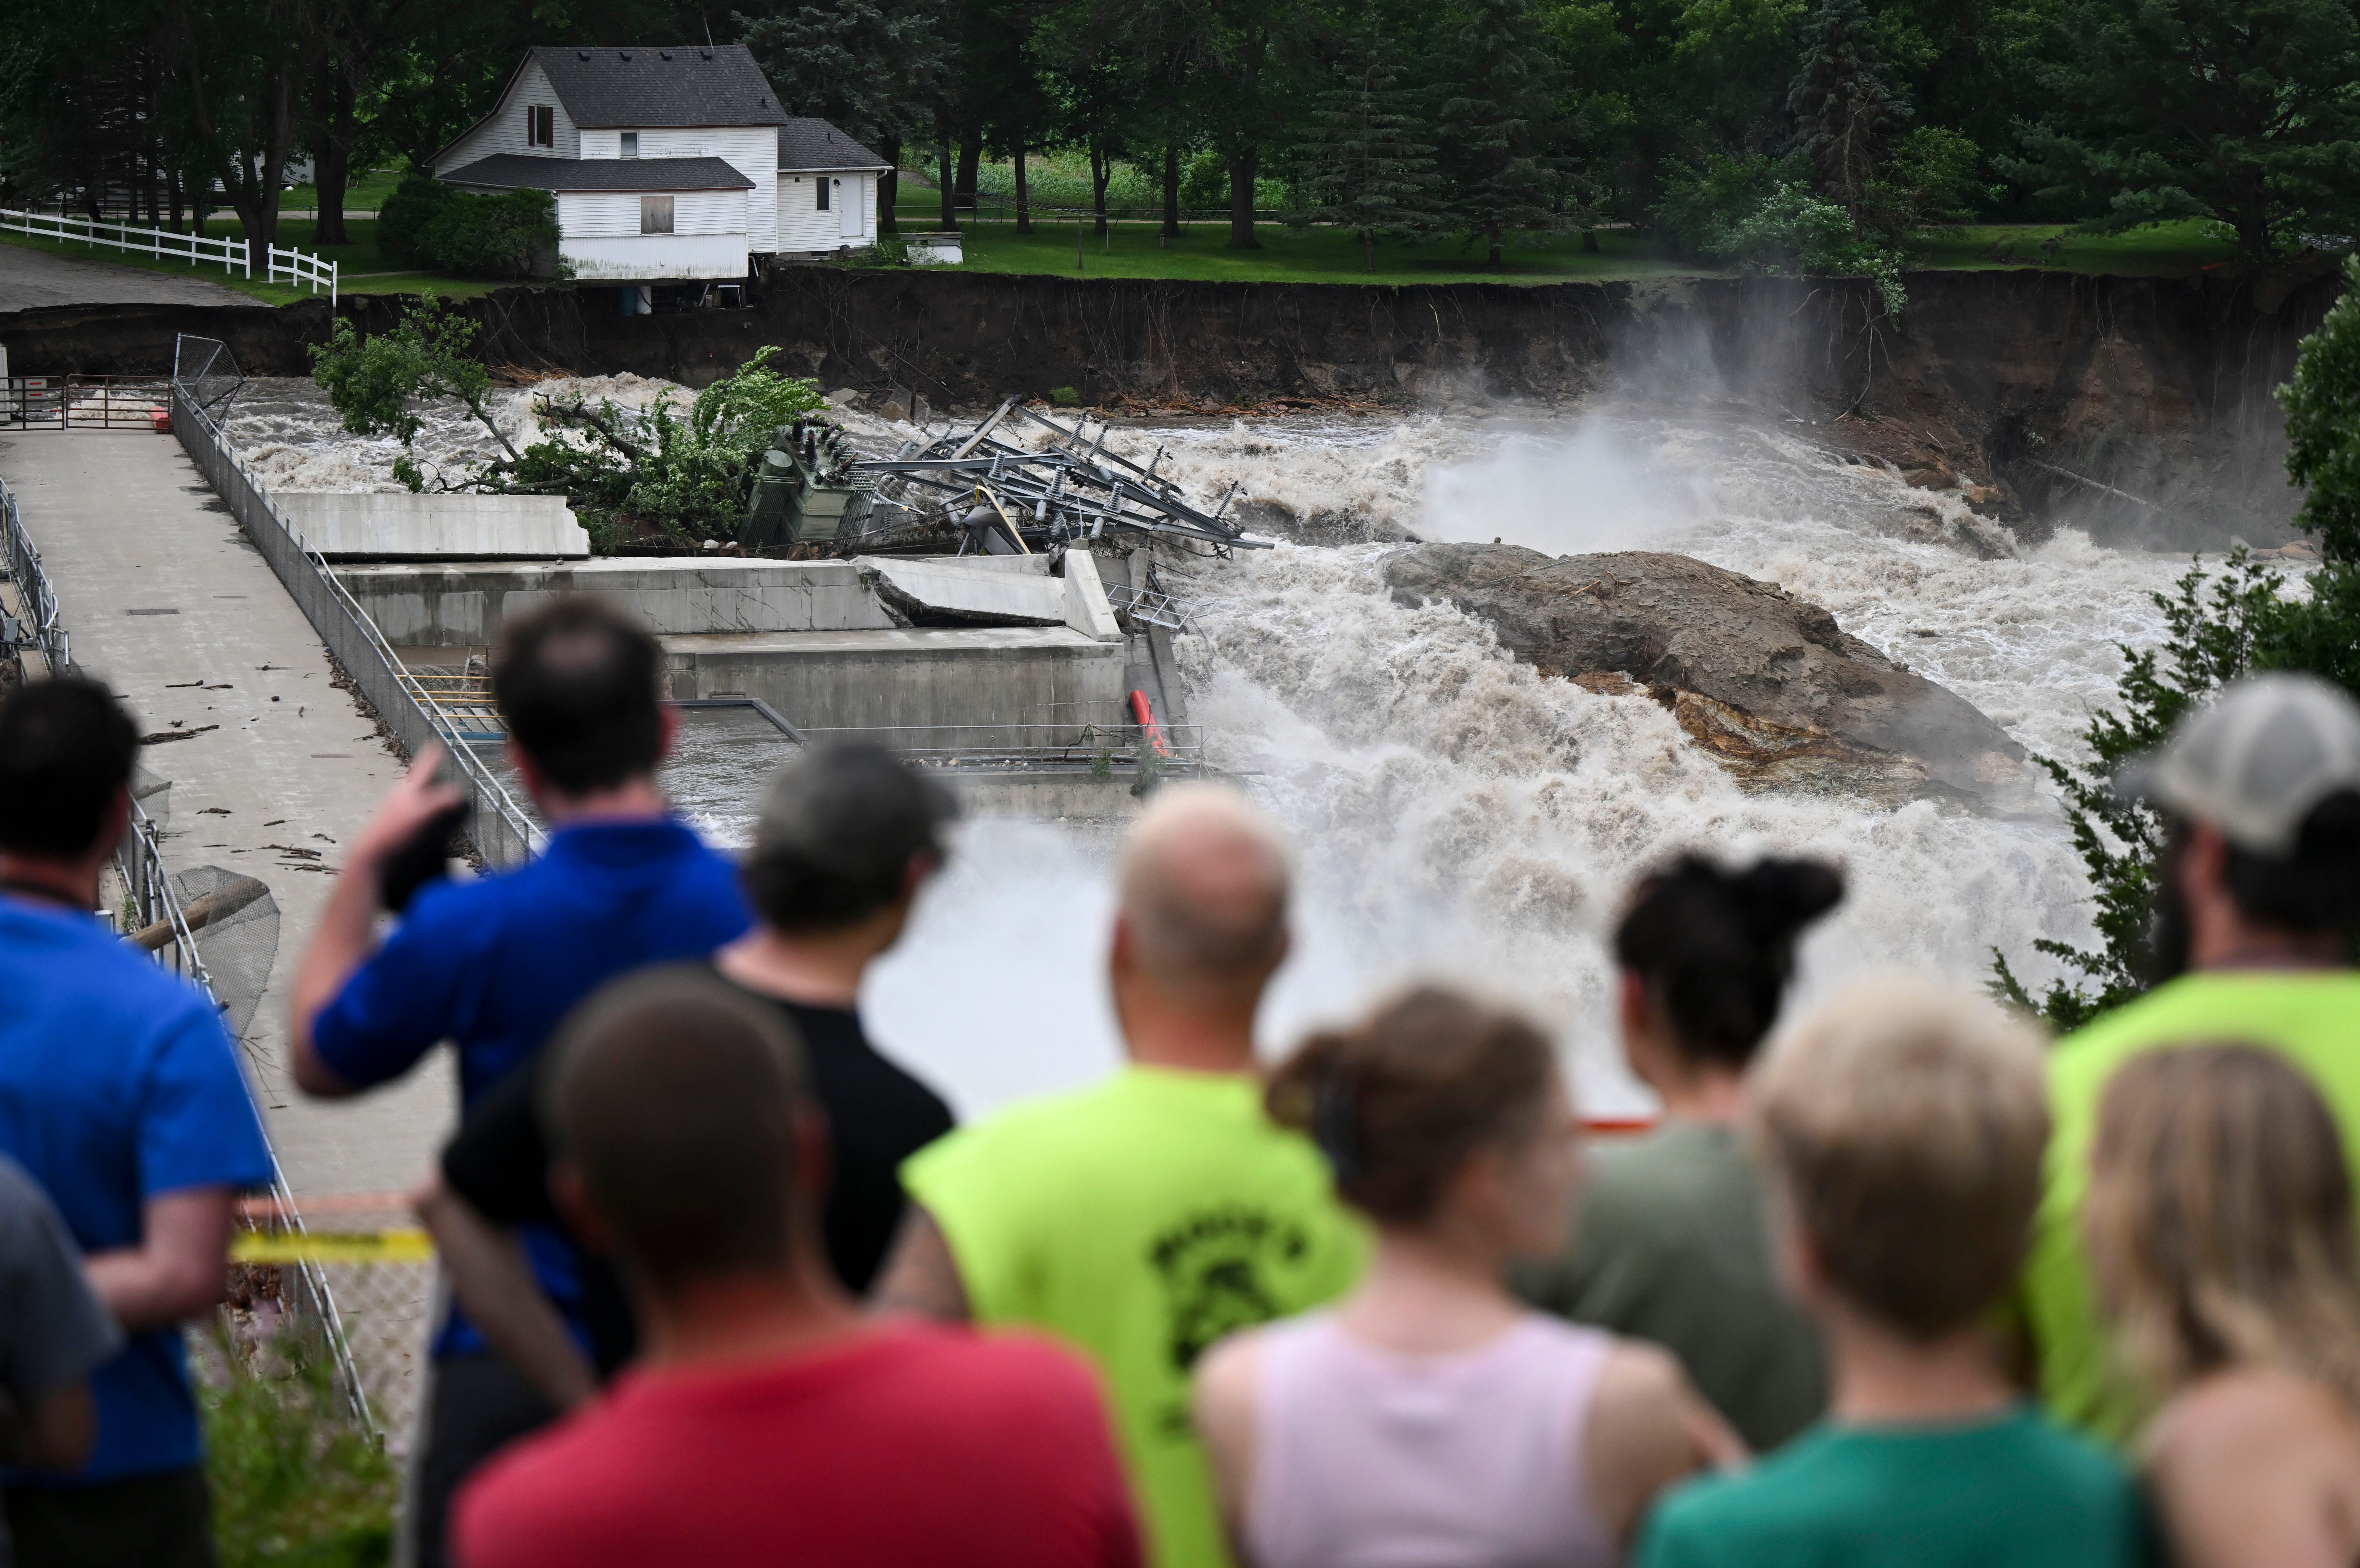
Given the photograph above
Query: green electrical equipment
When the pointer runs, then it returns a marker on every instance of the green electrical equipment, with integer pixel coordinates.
(805, 490)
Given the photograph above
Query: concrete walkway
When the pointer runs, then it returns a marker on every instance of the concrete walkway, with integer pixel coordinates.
(166, 600)
(32, 279)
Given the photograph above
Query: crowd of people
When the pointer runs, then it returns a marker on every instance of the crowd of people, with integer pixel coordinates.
(1897, 1282)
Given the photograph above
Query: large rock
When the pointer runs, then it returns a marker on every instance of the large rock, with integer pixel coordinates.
(1768, 682)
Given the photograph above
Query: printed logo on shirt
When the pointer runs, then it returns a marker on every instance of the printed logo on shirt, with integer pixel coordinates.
(1218, 1269)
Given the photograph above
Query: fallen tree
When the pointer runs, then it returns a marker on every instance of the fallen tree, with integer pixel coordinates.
(661, 478)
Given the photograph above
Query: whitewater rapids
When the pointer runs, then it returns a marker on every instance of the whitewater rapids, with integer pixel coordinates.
(1456, 815)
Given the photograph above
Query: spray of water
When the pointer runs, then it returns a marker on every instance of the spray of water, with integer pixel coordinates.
(1456, 815)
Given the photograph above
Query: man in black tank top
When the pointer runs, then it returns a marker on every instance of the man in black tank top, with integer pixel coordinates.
(846, 838)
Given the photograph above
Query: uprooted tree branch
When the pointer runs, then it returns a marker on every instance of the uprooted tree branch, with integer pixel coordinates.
(652, 477)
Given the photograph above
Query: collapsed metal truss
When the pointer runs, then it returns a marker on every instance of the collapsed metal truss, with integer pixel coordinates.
(1004, 499)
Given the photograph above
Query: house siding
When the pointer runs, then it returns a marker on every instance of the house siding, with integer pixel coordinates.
(802, 226)
(503, 130)
(751, 150)
(602, 238)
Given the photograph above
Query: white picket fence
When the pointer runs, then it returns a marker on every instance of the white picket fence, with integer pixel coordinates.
(233, 256)
(298, 268)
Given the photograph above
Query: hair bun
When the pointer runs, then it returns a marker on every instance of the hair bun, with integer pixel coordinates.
(1781, 897)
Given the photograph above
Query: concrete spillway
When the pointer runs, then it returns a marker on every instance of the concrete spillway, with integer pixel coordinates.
(828, 644)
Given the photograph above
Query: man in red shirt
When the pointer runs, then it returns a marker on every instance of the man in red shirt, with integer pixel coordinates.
(767, 1419)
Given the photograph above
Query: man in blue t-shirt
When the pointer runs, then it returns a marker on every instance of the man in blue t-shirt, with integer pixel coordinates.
(120, 1094)
(492, 965)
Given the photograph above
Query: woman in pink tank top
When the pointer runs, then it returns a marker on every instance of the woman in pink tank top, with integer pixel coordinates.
(1431, 1420)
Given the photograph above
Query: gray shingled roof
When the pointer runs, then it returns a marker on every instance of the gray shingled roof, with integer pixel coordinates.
(815, 144)
(509, 169)
(684, 84)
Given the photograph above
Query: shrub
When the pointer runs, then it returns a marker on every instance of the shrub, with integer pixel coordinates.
(402, 218)
(1065, 397)
(427, 223)
(504, 236)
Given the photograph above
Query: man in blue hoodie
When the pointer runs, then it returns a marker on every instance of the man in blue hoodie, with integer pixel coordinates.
(492, 965)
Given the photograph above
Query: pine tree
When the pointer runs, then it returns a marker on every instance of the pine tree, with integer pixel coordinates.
(1844, 103)
(1362, 164)
(1502, 151)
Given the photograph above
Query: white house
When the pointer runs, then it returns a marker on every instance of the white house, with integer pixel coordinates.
(669, 165)
(827, 189)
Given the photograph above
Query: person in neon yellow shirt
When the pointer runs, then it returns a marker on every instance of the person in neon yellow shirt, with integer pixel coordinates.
(1143, 1218)
(2258, 897)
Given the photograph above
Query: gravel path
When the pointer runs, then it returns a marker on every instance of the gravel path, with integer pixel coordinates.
(30, 280)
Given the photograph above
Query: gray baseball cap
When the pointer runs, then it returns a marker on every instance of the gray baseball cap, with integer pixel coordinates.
(2257, 762)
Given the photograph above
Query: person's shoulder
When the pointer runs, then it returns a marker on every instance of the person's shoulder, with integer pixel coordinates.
(2050, 1446)
(994, 1374)
(1041, 1128)
(538, 1495)
(2247, 1413)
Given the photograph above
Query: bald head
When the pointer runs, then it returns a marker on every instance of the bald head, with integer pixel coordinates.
(1204, 897)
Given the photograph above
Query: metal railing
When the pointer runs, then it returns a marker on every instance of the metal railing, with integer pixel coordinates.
(1095, 746)
(83, 402)
(40, 625)
(301, 267)
(503, 834)
(139, 862)
(1148, 605)
(233, 256)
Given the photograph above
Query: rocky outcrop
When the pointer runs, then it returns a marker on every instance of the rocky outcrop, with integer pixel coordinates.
(1765, 682)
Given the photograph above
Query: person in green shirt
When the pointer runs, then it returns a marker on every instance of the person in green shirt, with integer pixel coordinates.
(1143, 1218)
(2258, 893)
(1668, 1244)
(1901, 1127)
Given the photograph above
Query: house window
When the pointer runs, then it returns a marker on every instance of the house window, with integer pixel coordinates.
(655, 214)
(630, 143)
(822, 185)
(539, 125)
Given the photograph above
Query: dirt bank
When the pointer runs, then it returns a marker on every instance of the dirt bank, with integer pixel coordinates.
(2136, 405)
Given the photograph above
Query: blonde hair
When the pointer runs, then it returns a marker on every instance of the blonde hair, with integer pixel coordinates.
(2220, 1220)
(1903, 1123)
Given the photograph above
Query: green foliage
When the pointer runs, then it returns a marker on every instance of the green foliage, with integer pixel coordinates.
(2245, 621)
(1753, 213)
(1928, 182)
(294, 1480)
(658, 477)
(2323, 407)
(870, 68)
(402, 218)
(426, 224)
(1702, 201)
(2211, 639)
(2239, 110)
(1844, 103)
(1065, 397)
(1502, 144)
(508, 236)
(1364, 164)
(375, 383)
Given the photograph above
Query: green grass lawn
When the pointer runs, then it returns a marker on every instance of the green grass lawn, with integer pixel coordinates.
(360, 269)
(363, 192)
(2166, 250)
(1132, 249)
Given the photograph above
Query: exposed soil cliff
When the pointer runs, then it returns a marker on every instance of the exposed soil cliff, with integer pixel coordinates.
(1765, 682)
(2139, 405)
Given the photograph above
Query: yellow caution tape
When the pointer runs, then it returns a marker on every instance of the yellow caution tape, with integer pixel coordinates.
(331, 1247)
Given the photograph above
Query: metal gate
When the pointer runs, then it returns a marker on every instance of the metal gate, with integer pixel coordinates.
(85, 402)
